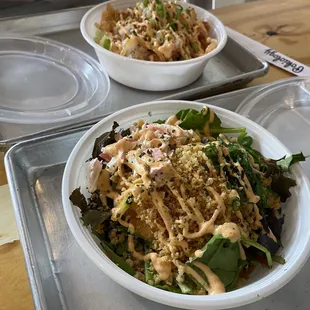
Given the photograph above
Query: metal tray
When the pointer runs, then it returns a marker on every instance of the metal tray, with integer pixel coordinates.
(220, 100)
(61, 276)
(234, 67)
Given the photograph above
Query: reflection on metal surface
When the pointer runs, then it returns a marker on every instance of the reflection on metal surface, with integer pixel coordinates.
(38, 187)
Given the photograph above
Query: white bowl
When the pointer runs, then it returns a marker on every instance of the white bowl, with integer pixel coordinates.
(263, 282)
(148, 75)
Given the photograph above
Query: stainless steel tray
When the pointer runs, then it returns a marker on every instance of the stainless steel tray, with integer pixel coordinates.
(220, 100)
(61, 276)
(232, 68)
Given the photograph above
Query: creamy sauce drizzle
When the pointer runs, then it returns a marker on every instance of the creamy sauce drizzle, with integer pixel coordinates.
(103, 185)
(208, 226)
(181, 201)
(198, 253)
(163, 211)
(130, 226)
(160, 264)
(198, 214)
(229, 231)
(215, 286)
(172, 120)
(196, 276)
(243, 182)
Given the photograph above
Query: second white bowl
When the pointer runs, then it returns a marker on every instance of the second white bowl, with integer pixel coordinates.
(148, 75)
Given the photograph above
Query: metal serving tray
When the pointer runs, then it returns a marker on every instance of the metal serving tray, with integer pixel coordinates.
(61, 276)
(234, 67)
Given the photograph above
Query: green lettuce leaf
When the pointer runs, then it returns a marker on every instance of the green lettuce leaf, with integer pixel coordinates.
(258, 246)
(287, 162)
(192, 119)
(104, 140)
(223, 258)
(117, 260)
(95, 217)
(79, 200)
(281, 185)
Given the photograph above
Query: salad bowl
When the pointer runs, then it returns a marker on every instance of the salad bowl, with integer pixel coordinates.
(263, 281)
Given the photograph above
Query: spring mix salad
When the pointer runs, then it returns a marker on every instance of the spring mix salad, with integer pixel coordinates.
(182, 205)
(154, 30)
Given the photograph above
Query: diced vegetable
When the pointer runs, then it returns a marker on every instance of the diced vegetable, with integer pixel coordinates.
(184, 288)
(105, 42)
(195, 46)
(174, 26)
(148, 273)
(236, 203)
(121, 208)
(160, 11)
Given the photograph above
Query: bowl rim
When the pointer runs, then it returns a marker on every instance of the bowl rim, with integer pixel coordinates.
(89, 39)
(242, 296)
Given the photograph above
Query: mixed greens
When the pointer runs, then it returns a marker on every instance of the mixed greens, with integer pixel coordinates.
(268, 178)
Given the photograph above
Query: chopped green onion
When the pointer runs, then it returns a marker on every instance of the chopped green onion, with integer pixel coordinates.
(195, 47)
(158, 1)
(184, 288)
(148, 273)
(174, 26)
(145, 3)
(179, 10)
(107, 44)
(152, 22)
(99, 34)
(160, 10)
(179, 7)
(278, 259)
(235, 203)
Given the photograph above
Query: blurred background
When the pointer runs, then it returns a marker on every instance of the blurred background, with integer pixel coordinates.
(9, 8)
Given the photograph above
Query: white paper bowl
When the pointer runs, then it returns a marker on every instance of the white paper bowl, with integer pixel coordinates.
(263, 282)
(148, 75)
